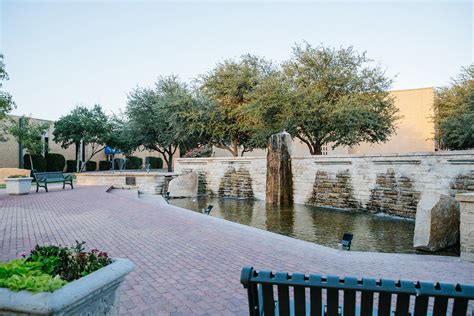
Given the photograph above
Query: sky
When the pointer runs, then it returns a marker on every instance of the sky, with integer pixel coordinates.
(60, 54)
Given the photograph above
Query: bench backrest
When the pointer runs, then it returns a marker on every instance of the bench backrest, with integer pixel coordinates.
(261, 288)
(54, 175)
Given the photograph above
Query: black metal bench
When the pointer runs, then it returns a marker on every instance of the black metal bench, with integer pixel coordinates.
(43, 178)
(261, 297)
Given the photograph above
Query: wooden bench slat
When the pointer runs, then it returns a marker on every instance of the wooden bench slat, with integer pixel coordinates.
(460, 306)
(315, 296)
(283, 295)
(440, 306)
(254, 308)
(333, 296)
(268, 299)
(300, 295)
(350, 298)
(367, 298)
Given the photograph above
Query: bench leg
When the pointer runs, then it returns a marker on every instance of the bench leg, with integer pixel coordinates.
(64, 185)
(46, 186)
(37, 187)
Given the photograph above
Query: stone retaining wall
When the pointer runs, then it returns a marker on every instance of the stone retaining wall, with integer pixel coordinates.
(383, 183)
(151, 183)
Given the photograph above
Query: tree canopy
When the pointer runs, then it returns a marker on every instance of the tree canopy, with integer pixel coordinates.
(89, 125)
(328, 96)
(29, 134)
(6, 100)
(229, 87)
(454, 112)
(157, 116)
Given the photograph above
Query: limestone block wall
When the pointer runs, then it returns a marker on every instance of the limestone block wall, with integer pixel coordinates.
(466, 225)
(379, 183)
(227, 177)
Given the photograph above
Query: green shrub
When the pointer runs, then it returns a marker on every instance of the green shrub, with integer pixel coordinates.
(55, 162)
(155, 162)
(16, 176)
(91, 166)
(39, 163)
(105, 165)
(71, 165)
(133, 162)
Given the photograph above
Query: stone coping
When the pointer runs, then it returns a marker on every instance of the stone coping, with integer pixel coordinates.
(465, 197)
(456, 153)
(78, 290)
(126, 174)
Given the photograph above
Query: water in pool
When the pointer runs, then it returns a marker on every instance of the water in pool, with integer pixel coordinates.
(322, 226)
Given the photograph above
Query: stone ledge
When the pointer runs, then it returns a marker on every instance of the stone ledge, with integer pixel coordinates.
(465, 197)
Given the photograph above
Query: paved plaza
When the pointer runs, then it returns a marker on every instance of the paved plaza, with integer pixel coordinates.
(188, 263)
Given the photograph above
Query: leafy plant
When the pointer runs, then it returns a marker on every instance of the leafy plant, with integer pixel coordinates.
(16, 176)
(21, 274)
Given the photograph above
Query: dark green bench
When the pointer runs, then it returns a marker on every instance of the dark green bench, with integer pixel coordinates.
(269, 294)
(43, 178)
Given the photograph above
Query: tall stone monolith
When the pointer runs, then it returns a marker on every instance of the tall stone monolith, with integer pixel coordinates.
(279, 177)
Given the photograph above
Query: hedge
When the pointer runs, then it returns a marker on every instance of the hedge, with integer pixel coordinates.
(105, 165)
(55, 162)
(133, 162)
(155, 162)
(91, 166)
(71, 165)
(39, 163)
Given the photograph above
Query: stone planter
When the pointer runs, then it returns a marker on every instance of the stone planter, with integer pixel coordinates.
(95, 294)
(18, 186)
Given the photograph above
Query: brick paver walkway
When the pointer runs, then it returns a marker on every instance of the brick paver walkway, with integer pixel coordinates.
(187, 262)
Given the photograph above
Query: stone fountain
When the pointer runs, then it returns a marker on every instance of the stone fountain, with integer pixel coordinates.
(279, 188)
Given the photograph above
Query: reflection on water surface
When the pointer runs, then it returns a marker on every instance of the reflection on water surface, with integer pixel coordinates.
(322, 226)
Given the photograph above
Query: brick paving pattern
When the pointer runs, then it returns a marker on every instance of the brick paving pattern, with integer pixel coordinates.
(188, 263)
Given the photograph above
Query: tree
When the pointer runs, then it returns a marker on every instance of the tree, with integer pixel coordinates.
(229, 88)
(157, 117)
(89, 126)
(29, 135)
(6, 100)
(454, 112)
(323, 95)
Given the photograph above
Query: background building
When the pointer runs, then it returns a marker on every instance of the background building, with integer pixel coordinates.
(11, 153)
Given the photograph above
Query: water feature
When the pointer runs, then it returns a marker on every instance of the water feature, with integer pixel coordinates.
(326, 227)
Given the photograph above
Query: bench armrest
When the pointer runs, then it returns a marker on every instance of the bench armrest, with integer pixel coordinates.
(68, 177)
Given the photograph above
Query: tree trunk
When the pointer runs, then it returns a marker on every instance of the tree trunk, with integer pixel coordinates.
(31, 163)
(235, 147)
(316, 149)
(78, 161)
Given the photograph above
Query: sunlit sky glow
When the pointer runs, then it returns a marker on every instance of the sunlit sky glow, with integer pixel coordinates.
(60, 54)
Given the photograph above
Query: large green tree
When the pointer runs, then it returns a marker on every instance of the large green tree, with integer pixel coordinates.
(29, 134)
(230, 87)
(454, 112)
(6, 100)
(87, 125)
(327, 96)
(157, 117)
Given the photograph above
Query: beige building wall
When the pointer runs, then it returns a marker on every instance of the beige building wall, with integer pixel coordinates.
(414, 133)
(415, 130)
